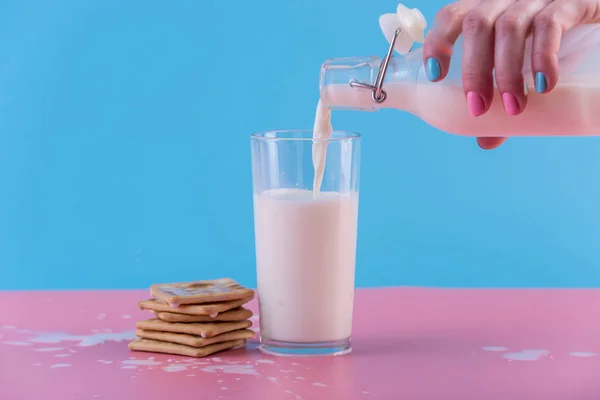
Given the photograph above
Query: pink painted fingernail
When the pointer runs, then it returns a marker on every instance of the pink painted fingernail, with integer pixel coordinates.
(475, 103)
(511, 105)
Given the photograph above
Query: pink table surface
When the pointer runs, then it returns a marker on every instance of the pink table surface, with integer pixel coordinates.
(408, 344)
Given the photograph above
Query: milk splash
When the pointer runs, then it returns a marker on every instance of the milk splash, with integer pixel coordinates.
(526, 355)
(231, 369)
(495, 348)
(136, 363)
(582, 354)
(60, 366)
(84, 340)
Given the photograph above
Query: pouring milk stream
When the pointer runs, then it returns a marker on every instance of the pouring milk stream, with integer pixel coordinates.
(412, 24)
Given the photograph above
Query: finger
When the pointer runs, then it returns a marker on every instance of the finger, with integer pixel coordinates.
(511, 30)
(478, 53)
(490, 143)
(548, 28)
(437, 49)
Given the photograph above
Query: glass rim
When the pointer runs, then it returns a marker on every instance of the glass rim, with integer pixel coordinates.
(262, 136)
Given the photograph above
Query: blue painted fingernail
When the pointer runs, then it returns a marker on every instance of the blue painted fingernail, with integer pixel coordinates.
(433, 69)
(541, 83)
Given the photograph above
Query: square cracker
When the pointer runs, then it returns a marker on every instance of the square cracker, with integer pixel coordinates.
(198, 292)
(156, 346)
(193, 340)
(202, 329)
(203, 309)
(237, 314)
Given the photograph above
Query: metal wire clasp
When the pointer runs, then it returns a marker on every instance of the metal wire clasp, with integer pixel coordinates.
(379, 95)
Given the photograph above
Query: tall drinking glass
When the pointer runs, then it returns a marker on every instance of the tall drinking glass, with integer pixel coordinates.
(305, 241)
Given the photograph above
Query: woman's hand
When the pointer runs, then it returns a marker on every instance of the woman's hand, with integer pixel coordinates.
(494, 33)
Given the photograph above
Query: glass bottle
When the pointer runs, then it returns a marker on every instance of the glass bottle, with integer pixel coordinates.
(571, 109)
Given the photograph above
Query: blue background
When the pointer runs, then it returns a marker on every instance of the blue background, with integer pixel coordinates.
(124, 153)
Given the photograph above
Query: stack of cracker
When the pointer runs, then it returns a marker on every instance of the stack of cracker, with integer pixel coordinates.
(195, 319)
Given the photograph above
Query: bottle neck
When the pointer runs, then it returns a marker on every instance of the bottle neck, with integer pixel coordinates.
(339, 91)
